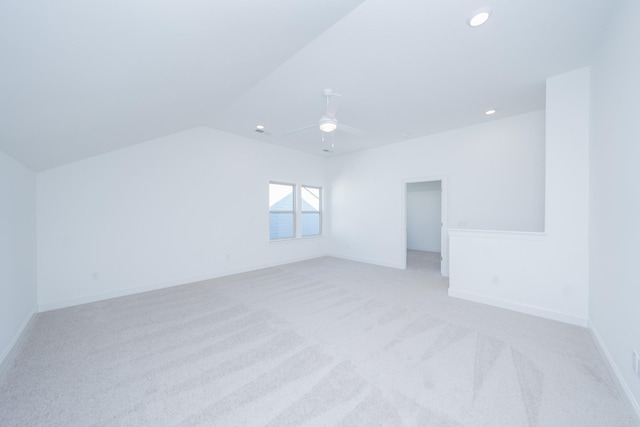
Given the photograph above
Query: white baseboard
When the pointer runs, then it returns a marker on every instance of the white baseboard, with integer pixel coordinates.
(368, 261)
(614, 369)
(55, 305)
(521, 308)
(9, 353)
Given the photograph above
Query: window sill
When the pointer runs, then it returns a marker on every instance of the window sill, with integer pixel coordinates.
(295, 239)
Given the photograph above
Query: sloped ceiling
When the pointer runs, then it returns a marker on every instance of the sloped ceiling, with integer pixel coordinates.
(82, 78)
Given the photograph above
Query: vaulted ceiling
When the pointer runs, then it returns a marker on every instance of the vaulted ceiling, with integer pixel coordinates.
(81, 78)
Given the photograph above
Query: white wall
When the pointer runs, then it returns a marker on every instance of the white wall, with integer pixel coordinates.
(17, 252)
(176, 209)
(495, 180)
(540, 274)
(424, 215)
(614, 292)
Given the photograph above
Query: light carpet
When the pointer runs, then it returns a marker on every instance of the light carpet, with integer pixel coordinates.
(321, 342)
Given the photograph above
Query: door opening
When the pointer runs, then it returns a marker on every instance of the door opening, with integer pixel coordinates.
(425, 223)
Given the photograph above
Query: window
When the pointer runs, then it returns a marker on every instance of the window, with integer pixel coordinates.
(310, 211)
(285, 212)
(281, 211)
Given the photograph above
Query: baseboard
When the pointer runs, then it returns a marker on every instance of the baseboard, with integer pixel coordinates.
(71, 302)
(9, 353)
(521, 308)
(631, 400)
(368, 261)
(185, 280)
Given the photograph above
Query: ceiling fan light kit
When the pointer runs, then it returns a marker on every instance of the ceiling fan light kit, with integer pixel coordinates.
(328, 124)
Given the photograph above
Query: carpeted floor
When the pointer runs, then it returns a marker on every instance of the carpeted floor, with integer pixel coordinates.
(321, 342)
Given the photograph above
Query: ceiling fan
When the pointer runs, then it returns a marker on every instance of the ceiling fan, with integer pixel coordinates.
(328, 123)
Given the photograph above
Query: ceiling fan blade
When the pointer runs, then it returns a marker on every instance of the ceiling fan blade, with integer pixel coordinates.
(299, 129)
(351, 130)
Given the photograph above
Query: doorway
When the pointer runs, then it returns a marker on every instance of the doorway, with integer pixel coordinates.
(425, 219)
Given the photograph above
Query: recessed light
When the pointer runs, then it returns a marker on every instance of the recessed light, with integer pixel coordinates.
(260, 128)
(479, 17)
(490, 112)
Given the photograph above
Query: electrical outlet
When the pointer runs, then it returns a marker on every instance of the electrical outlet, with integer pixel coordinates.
(95, 276)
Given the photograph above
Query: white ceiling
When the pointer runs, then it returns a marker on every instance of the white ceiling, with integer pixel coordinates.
(80, 78)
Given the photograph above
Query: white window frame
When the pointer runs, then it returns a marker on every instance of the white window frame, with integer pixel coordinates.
(297, 211)
(294, 210)
(302, 188)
